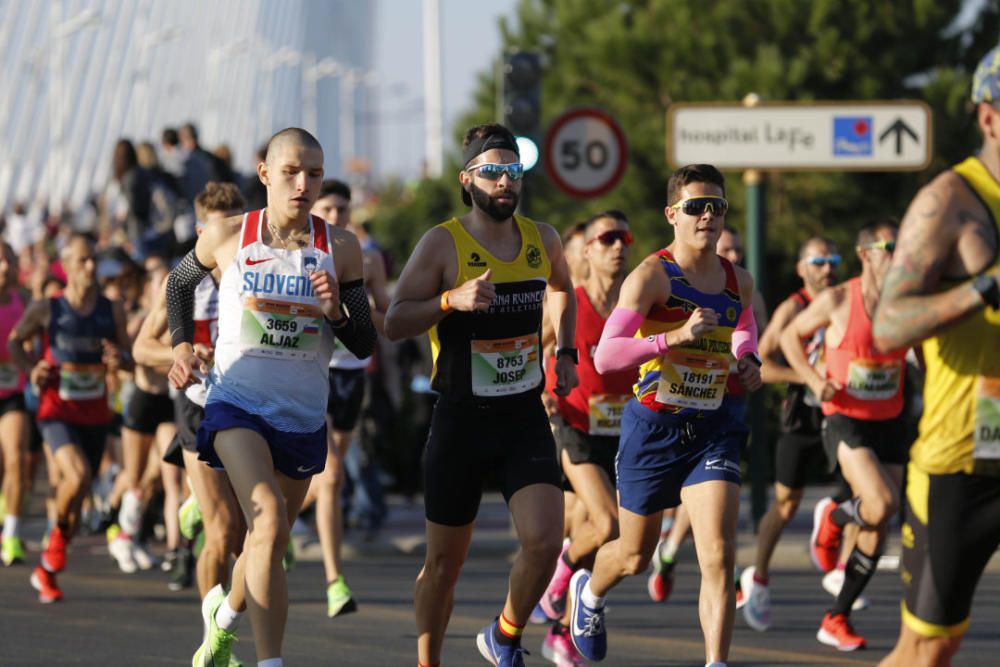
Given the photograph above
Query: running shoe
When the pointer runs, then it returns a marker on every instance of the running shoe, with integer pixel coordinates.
(54, 556)
(833, 581)
(143, 559)
(216, 650)
(824, 545)
(558, 648)
(183, 570)
(590, 637)
(553, 601)
(498, 655)
(757, 605)
(661, 580)
(121, 550)
(169, 560)
(12, 550)
(836, 631)
(44, 582)
(538, 616)
(190, 517)
(339, 599)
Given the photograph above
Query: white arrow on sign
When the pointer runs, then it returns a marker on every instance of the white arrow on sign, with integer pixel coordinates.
(843, 136)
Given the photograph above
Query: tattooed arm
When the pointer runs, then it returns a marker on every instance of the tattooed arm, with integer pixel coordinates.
(933, 242)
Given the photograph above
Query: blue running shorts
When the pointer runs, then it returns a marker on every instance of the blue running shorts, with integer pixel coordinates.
(296, 455)
(659, 453)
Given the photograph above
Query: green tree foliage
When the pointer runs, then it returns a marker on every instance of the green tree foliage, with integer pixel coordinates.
(634, 58)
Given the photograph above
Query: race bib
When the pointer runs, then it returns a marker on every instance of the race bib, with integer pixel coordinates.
(10, 377)
(506, 366)
(987, 433)
(692, 381)
(280, 329)
(606, 413)
(80, 382)
(872, 380)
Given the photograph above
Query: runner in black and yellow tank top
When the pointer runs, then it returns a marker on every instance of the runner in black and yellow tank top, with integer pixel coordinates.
(477, 283)
(942, 289)
(682, 314)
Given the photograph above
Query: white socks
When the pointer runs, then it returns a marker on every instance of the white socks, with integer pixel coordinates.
(228, 618)
(589, 599)
(10, 526)
(270, 662)
(715, 664)
(130, 514)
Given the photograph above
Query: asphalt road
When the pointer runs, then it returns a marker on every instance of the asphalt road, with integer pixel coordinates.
(108, 618)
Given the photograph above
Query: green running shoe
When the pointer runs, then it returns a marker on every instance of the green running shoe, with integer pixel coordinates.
(216, 650)
(190, 517)
(12, 550)
(339, 599)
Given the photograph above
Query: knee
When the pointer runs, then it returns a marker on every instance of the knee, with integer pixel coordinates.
(634, 562)
(605, 527)
(270, 532)
(878, 508)
(542, 548)
(717, 556)
(931, 651)
(788, 506)
(440, 571)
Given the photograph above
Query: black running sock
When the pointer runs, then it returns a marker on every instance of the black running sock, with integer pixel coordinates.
(859, 570)
(570, 564)
(848, 511)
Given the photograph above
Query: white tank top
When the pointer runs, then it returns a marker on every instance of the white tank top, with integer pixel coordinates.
(206, 328)
(274, 346)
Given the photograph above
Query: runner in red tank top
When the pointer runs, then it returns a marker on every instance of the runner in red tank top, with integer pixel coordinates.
(861, 391)
(587, 422)
(84, 338)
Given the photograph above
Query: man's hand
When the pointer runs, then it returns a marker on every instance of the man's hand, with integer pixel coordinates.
(825, 389)
(566, 378)
(187, 366)
(42, 373)
(749, 374)
(550, 404)
(111, 356)
(701, 322)
(205, 352)
(472, 295)
(327, 291)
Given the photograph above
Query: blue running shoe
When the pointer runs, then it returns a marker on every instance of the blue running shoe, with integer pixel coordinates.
(538, 616)
(499, 655)
(587, 624)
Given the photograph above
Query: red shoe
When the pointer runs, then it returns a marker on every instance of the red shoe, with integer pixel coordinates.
(54, 556)
(44, 582)
(836, 631)
(824, 545)
(661, 581)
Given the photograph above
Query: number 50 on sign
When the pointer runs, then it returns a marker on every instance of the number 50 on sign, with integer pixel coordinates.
(585, 153)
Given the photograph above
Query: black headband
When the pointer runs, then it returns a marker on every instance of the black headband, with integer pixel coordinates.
(478, 146)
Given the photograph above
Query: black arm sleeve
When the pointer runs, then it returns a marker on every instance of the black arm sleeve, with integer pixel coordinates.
(181, 283)
(358, 334)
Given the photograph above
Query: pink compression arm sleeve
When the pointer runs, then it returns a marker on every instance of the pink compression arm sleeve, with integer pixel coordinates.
(745, 334)
(619, 350)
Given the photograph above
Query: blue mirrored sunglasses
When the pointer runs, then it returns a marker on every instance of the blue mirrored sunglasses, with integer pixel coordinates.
(492, 171)
(819, 260)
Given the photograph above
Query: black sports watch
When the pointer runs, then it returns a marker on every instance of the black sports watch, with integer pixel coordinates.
(754, 359)
(988, 290)
(569, 352)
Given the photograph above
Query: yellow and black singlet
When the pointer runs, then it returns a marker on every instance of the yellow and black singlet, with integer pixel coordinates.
(960, 427)
(495, 354)
(690, 378)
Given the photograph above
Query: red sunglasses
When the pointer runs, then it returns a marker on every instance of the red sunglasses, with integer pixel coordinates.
(609, 237)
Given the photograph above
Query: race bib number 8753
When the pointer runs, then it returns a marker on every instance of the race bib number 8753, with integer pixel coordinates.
(505, 366)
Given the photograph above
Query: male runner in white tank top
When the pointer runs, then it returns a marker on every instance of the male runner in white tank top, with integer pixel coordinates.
(289, 283)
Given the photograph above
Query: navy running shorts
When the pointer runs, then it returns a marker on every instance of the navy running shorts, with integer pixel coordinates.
(659, 453)
(89, 438)
(296, 455)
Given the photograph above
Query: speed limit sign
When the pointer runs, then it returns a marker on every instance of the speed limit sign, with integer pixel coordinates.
(585, 153)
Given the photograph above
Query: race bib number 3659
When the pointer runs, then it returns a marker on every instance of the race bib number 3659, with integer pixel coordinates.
(505, 366)
(280, 329)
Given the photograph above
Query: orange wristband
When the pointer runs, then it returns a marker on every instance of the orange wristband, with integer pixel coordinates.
(445, 306)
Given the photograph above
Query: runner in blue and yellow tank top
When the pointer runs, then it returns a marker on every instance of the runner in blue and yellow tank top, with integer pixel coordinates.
(683, 315)
(942, 289)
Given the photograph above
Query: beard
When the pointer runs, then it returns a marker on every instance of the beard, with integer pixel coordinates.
(488, 204)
